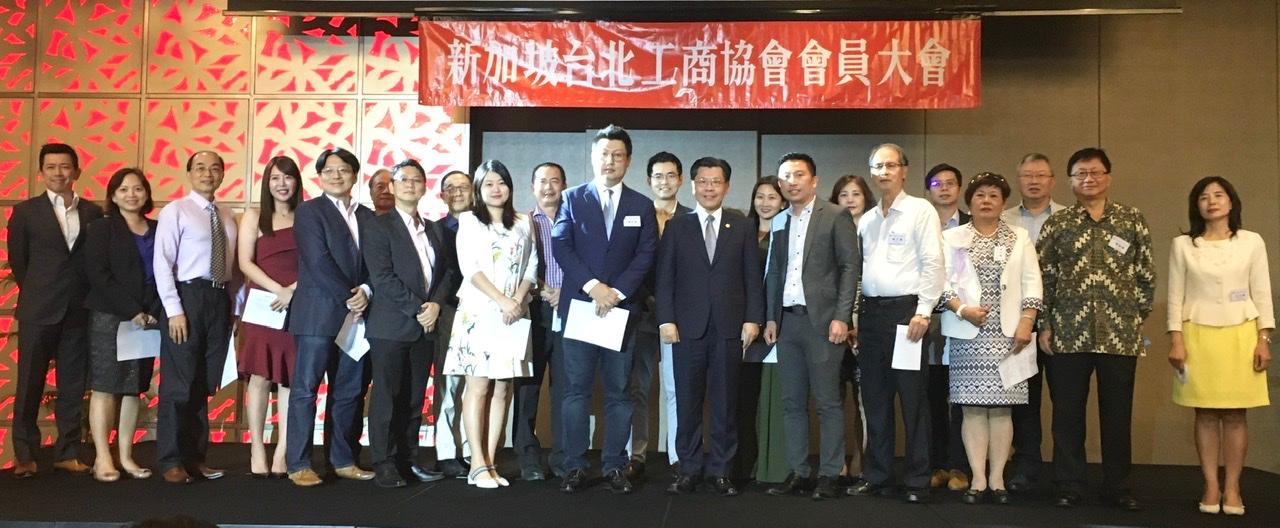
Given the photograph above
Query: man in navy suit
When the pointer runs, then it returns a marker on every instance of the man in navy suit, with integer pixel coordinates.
(413, 274)
(604, 238)
(710, 303)
(332, 282)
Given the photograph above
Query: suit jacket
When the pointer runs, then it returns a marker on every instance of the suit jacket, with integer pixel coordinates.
(832, 270)
(581, 248)
(50, 277)
(650, 285)
(117, 275)
(694, 292)
(329, 266)
(395, 272)
(1020, 279)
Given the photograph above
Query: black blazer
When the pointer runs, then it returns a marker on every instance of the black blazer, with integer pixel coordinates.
(693, 292)
(50, 277)
(395, 271)
(329, 266)
(117, 277)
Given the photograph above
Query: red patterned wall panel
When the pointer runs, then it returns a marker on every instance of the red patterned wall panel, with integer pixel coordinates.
(15, 148)
(192, 48)
(174, 129)
(17, 45)
(301, 130)
(307, 55)
(394, 130)
(390, 56)
(8, 364)
(103, 131)
(8, 288)
(90, 46)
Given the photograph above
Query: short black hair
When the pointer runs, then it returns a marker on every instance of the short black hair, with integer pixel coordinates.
(710, 162)
(61, 148)
(407, 163)
(478, 206)
(613, 132)
(557, 166)
(342, 154)
(796, 156)
(1193, 207)
(451, 173)
(938, 169)
(191, 159)
(117, 179)
(1089, 153)
(664, 157)
(986, 179)
(266, 202)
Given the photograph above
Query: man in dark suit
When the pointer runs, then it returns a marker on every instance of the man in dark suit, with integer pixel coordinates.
(413, 275)
(604, 238)
(453, 451)
(710, 304)
(45, 241)
(812, 283)
(332, 283)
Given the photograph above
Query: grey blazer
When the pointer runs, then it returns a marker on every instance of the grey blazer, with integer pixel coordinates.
(832, 267)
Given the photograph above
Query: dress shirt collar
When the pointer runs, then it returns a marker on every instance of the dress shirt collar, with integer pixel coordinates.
(414, 223)
(346, 210)
(1050, 209)
(703, 214)
(198, 199)
(954, 220)
(601, 187)
(806, 211)
(54, 198)
(537, 211)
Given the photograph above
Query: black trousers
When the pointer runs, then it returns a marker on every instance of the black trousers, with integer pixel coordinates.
(880, 383)
(749, 378)
(189, 373)
(946, 449)
(706, 370)
(400, 374)
(65, 342)
(1028, 429)
(547, 352)
(1069, 376)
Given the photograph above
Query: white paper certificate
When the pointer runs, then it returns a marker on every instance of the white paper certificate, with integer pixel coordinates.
(257, 310)
(906, 354)
(350, 337)
(1019, 366)
(135, 343)
(230, 369)
(503, 336)
(584, 325)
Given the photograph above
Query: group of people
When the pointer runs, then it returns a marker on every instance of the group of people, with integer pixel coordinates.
(901, 297)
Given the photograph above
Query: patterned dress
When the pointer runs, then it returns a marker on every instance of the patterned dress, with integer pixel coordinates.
(975, 378)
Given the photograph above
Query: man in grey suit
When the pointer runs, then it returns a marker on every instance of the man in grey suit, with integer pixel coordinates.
(812, 285)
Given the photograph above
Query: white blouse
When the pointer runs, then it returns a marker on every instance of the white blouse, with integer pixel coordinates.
(1219, 282)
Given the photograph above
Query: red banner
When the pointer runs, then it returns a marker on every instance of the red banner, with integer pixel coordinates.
(873, 64)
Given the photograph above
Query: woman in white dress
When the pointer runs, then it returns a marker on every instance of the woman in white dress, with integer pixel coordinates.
(499, 263)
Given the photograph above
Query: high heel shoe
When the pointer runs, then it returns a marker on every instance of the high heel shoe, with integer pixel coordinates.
(487, 482)
(1211, 509)
(1233, 510)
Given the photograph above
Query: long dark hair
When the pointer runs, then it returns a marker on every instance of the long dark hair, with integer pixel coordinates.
(267, 202)
(771, 181)
(1193, 207)
(117, 179)
(478, 206)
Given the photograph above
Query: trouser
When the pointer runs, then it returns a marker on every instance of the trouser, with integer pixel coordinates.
(65, 342)
(450, 436)
(581, 361)
(189, 373)
(1027, 427)
(318, 356)
(706, 370)
(880, 383)
(547, 353)
(1069, 376)
(749, 378)
(400, 374)
(946, 448)
(810, 366)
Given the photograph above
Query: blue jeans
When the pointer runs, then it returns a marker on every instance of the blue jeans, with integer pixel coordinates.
(317, 356)
(581, 360)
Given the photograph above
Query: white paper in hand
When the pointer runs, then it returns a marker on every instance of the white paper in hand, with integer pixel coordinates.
(1019, 366)
(773, 355)
(135, 343)
(350, 337)
(257, 310)
(906, 354)
(230, 368)
(584, 325)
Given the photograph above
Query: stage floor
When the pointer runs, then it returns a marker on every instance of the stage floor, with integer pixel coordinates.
(1168, 494)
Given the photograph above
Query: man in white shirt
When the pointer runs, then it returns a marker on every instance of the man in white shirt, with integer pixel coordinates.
(902, 280)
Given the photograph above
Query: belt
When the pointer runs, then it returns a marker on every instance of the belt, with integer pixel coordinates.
(890, 300)
(205, 283)
(795, 309)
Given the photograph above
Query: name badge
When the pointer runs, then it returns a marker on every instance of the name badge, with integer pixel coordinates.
(897, 239)
(1118, 244)
(1239, 295)
(631, 221)
(1001, 253)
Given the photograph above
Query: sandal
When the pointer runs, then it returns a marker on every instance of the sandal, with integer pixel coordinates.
(481, 478)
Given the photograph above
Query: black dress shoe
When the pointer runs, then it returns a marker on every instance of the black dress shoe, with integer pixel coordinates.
(386, 476)
(451, 468)
(1124, 501)
(573, 481)
(825, 489)
(424, 474)
(1067, 500)
(1000, 496)
(618, 482)
(1021, 483)
(634, 469)
(792, 485)
(973, 496)
(861, 487)
(917, 496)
(532, 473)
(724, 487)
(683, 485)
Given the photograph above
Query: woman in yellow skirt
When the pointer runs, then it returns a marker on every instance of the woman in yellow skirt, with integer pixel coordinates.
(1220, 323)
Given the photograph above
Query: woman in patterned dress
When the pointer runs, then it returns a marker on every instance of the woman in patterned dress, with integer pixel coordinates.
(992, 296)
(499, 264)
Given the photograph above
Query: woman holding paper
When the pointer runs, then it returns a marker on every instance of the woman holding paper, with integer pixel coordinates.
(1220, 322)
(499, 264)
(992, 296)
(268, 257)
(122, 298)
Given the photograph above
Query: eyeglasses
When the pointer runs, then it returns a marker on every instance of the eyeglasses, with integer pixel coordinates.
(891, 165)
(340, 171)
(708, 182)
(414, 181)
(457, 189)
(213, 170)
(1084, 175)
(939, 184)
(617, 155)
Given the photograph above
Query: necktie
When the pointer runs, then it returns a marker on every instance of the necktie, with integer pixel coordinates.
(709, 237)
(608, 213)
(218, 251)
